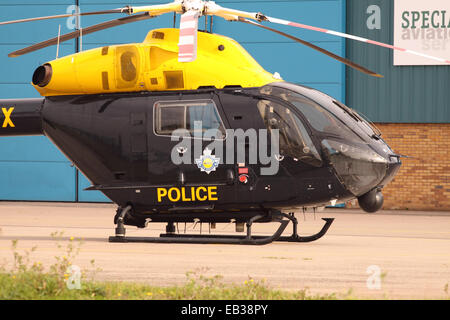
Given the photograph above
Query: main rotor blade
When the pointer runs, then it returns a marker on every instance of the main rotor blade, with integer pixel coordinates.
(188, 37)
(159, 9)
(231, 14)
(65, 16)
(360, 39)
(154, 10)
(85, 31)
(312, 46)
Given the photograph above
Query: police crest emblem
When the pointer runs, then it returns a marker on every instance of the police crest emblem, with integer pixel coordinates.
(207, 162)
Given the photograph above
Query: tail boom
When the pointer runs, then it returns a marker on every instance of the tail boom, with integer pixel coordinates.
(21, 117)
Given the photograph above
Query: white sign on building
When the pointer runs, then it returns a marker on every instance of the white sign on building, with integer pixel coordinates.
(422, 26)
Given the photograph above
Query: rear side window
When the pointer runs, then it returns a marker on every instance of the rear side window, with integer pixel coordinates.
(196, 117)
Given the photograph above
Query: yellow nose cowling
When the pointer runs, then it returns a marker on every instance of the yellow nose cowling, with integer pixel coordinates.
(152, 66)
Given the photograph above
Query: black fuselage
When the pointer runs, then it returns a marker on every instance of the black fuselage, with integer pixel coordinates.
(118, 142)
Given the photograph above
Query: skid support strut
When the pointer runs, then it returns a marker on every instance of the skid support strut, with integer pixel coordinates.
(249, 239)
(120, 229)
(295, 237)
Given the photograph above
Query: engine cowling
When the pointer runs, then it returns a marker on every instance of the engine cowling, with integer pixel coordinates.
(152, 66)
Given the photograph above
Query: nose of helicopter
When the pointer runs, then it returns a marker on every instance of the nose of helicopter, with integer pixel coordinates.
(393, 166)
(363, 171)
(372, 201)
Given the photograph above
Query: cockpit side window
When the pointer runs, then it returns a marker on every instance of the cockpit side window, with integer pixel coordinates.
(294, 138)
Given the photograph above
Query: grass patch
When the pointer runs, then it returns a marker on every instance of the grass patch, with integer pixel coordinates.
(63, 281)
(37, 286)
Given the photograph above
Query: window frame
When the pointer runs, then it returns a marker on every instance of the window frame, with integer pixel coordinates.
(185, 104)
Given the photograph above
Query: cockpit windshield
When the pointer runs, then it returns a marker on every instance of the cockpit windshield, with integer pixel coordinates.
(318, 117)
(320, 109)
(351, 145)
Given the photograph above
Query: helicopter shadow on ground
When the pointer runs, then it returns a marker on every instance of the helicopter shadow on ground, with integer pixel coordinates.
(49, 238)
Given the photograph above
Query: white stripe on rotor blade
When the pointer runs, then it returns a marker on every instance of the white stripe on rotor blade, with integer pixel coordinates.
(189, 24)
(348, 36)
(191, 13)
(186, 59)
(280, 21)
(425, 55)
(187, 40)
(189, 17)
(186, 55)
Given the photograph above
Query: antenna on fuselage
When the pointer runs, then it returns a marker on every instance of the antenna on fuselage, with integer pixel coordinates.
(80, 48)
(81, 39)
(57, 46)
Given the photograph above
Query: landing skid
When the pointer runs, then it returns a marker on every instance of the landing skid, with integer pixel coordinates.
(249, 239)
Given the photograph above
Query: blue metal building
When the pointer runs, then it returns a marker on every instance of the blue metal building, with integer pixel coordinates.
(32, 168)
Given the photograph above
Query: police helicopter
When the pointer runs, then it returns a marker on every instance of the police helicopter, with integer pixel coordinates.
(151, 124)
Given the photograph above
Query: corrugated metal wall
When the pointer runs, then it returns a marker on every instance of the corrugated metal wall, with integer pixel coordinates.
(31, 168)
(406, 94)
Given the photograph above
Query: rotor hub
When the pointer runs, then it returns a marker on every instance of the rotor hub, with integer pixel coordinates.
(194, 5)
